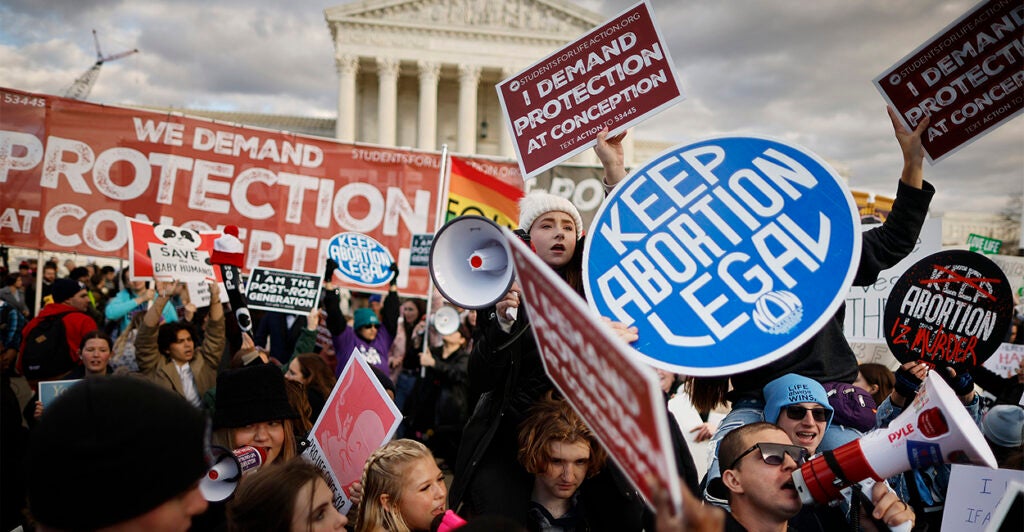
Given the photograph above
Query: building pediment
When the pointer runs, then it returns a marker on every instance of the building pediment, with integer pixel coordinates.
(525, 17)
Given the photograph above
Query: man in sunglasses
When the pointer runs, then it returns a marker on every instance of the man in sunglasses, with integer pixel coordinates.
(757, 463)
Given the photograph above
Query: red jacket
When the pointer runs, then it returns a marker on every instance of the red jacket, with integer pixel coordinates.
(76, 324)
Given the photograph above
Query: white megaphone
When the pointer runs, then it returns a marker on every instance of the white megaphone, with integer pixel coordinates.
(227, 469)
(934, 429)
(471, 263)
(446, 320)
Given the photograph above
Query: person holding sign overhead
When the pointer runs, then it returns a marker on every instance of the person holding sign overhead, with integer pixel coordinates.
(506, 371)
(369, 336)
(827, 356)
(167, 353)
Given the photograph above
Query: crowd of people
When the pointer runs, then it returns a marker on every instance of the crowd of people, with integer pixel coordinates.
(486, 442)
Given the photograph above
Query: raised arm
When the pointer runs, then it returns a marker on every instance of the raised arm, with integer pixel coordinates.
(609, 152)
(213, 341)
(913, 150)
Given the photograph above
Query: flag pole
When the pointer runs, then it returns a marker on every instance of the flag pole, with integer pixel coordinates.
(443, 185)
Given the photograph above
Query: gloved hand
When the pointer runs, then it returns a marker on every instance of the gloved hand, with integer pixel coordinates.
(329, 271)
(394, 278)
(906, 382)
(959, 379)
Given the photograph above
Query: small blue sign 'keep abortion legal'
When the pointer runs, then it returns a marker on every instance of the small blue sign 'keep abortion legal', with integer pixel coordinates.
(361, 259)
(726, 254)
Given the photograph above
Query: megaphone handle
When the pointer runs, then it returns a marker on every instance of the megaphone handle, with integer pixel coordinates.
(865, 489)
(512, 313)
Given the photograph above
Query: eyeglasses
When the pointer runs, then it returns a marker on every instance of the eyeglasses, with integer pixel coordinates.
(370, 326)
(774, 454)
(797, 412)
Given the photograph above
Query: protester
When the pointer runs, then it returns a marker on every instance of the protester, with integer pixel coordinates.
(132, 297)
(281, 331)
(561, 452)
(1008, 390)
(293, 497)
(1003, 427)
(311, 371)
(366, 336)
(124, 359)
(70, 304)
(13, 323)
(252, 409)
(13, 293)
(876, 379)
(507, 375)
(403, 489)
(49, 277)
(827, 356)
(119, 453)
(757, 464)
(446, 369)
(403, 355)
(167, 354)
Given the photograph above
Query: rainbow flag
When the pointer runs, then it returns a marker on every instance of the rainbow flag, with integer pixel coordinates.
(472, 191)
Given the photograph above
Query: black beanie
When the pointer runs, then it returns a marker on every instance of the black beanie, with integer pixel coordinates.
(64, 289)
(111, 449)
(251, 394)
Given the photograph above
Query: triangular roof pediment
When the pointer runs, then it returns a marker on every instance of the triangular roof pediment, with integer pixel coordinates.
(554, 17)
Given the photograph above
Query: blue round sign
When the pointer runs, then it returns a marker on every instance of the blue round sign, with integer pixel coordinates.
(361, 259)
(726, 254)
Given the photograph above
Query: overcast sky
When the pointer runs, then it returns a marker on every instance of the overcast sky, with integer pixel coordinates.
(797, 70)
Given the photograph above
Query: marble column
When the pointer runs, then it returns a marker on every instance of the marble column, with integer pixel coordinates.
(505, 145)
(348, 68)
(469, 78)
(427, 132)
(387, 100)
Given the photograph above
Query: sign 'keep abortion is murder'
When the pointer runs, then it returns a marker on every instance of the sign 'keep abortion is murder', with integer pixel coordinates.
(726, 254)
(952, 307)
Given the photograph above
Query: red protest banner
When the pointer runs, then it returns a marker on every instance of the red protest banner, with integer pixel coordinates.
(614, 76)
(967, 78)
(616, 395)
(70, 171)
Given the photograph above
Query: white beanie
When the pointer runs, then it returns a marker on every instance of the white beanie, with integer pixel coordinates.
(536, 203)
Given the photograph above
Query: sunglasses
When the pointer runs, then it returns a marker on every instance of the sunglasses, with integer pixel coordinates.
(370, 326)
(796, 413)
(774, 454)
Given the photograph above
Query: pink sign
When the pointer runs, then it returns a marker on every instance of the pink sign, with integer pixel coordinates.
(614, 76)
(359, 418)
(967, 78)
(617, 396)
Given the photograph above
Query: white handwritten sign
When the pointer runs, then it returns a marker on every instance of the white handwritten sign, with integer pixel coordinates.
(973, 493)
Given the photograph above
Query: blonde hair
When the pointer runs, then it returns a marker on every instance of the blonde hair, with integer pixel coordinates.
(384, 474)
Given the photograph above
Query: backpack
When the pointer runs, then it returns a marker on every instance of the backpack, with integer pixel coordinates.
(47, 353)
(852, 406)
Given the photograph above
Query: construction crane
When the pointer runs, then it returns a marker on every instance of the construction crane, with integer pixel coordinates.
(80, 89)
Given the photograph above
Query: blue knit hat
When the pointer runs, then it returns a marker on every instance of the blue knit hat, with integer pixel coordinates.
(363, 317)
(791, 389)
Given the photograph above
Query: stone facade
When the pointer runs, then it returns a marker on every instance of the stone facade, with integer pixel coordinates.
(422, 73)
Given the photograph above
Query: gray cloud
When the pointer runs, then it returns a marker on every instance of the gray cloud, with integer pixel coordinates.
(795, 70)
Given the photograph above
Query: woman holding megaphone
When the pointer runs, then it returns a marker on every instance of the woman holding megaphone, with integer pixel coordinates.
(507, 374)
